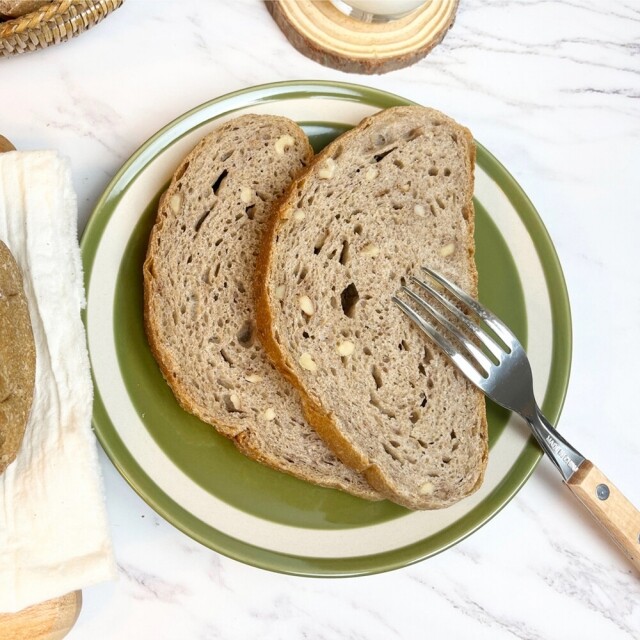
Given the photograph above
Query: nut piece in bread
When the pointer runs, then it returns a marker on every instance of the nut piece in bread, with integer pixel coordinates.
(17, 359)
(383, 199)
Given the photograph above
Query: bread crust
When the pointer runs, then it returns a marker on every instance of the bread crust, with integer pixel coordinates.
(323, 422)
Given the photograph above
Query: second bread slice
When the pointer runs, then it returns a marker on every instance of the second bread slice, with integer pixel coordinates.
(389, 196)
(199, 303)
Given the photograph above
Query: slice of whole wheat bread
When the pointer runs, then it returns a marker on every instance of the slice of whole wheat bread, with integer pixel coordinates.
(199, 297)
(385, 198)
(17, 359)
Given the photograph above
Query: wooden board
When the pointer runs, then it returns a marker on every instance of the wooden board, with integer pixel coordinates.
(49, 620)
(323, 33)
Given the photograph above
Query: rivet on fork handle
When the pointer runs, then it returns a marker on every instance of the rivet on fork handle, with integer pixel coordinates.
(609, 507)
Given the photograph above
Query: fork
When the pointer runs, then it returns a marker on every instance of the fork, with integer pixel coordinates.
(503, 373)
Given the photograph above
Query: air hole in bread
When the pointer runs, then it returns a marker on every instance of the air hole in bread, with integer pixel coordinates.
(446, 459)
(303, 273)
(380, 156)
(349, 299)
(189, 259)
(377, 376)
(397, 206)
(433, 171)
(430, 383)
(391, 451)
(424, 400)
(414, 133)
(218, 182)
(225, 383)
(414, 416)
(432, 209)
(337, 153)
(423, 444)
(428, 356)
(250, 211)
(357, 229)
(201, 220)
(365, 350)
(225, 356)
(403, 346)
(382, 193)
(317, 247)
(180, 172)
(454, 137)
(399, 163)
(227, 154)
(245, 335)
(229, 404)
(305, 335)
(344, 254)
(447, 172)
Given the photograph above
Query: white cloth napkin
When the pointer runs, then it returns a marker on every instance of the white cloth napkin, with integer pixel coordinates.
(54, 535)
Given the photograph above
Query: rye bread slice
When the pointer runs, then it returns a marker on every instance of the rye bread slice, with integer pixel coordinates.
(17, 359)
(383, 199)
(199, 297)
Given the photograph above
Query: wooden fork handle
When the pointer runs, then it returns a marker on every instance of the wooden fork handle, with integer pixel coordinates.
(609, 507)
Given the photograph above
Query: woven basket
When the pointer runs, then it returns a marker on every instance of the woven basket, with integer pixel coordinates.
(52, 23)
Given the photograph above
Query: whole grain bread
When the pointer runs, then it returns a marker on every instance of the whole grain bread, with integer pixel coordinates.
(199, 297)
(383, 199)
(17, 359)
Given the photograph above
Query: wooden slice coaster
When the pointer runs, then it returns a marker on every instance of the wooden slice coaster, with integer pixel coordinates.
(323, 33)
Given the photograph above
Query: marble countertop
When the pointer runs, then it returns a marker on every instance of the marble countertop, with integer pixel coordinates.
(553, 90)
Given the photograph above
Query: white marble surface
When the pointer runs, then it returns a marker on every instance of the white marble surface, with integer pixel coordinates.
(553, 90)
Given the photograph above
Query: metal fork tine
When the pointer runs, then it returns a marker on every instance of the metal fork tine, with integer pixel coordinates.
(474, 328)
(480, 357)
(501, 330)
(456, 357)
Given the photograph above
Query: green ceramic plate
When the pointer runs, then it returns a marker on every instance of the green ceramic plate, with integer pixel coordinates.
(196, 479)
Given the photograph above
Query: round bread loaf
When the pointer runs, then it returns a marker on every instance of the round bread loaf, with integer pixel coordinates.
(17, 359)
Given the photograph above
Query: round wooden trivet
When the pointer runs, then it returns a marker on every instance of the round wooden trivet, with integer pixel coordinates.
(323, 33)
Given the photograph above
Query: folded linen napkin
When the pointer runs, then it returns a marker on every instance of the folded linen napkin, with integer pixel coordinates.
(54, 535)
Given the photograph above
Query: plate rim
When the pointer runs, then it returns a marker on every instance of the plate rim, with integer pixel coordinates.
(278, 562)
